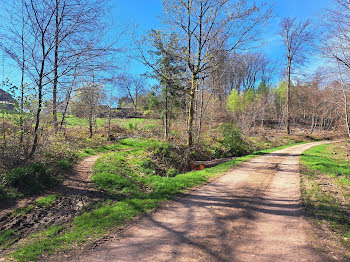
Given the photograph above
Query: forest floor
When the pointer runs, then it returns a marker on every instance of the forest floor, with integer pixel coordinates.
(252, 213)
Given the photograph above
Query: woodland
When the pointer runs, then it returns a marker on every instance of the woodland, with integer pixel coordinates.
(207, 92)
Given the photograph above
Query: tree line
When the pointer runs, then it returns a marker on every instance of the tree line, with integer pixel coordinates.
(204, 64)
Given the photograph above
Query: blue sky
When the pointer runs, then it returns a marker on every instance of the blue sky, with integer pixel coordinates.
(146, 13)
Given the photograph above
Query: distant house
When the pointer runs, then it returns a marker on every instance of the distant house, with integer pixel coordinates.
(7, 102)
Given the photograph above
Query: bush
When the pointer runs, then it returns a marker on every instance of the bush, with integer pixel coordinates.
(147, 166)
(3, 193)
(172, 172)
(162, 150)
(30, 180)
(232, 142)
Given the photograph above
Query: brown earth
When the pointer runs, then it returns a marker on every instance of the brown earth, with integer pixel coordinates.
(75, 193)
(252, 213)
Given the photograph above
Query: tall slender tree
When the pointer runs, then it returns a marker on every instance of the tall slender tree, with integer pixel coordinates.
(297, 37)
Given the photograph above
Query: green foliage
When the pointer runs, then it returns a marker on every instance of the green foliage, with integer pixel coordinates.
(169, 68)
(31, 179)
(239, 102)
(281, 91)
(153, 101)
(3, 192)
(249, 98)
(162, 150)
(232, 142)
(172, 172)
(263, 89)
(147, 166)
(234, 101)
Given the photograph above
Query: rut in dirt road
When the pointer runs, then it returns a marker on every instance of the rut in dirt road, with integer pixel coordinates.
(252, 213)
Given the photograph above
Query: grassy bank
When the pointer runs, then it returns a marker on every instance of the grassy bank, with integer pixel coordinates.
(134, 187)
(326, 188)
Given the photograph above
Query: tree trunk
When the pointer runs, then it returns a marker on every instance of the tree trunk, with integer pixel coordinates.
(201, 109)
(166, 115)
(346, 112)
(22, 97)
(288, 97)
(345, 99)
(90, 126)
(109, 122)
(40, 101)
(312, 124)
(91, 121)
(55, 81)
(136, 98)
(191, 111)
(21, 121)
(66, 107)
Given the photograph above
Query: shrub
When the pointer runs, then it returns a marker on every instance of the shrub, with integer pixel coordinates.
(147, 166)
(232, 142)
(172, 172)
(163, 150)
(30, 180)
(3, 193)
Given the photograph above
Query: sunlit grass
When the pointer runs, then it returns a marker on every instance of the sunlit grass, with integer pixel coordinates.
(47, 201)
(325, 187)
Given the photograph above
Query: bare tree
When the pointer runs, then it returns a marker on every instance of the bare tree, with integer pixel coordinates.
(133, 87)
(296, 37)
(40, 15)
(208, 27)
(88, 99)
(76, 42)
(335, 45)
(58, 40)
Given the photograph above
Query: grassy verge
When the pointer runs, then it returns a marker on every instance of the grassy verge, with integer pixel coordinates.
(134, 189)
(326, 188)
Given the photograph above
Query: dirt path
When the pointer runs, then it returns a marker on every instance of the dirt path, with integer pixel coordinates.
(75, 193)
(79, 183)
(252, 213)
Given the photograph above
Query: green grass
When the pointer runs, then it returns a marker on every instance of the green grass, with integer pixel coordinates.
(47, 201)
(7, 238)
(323, 159)
(133, 192)
(131, 123)
(21, 211)
(325, 185)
